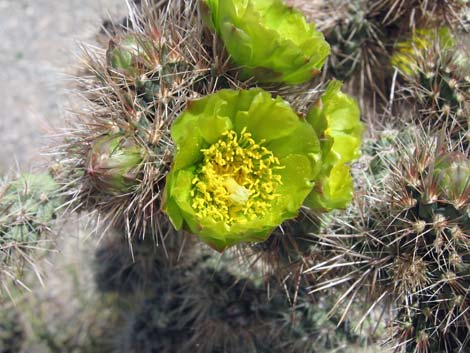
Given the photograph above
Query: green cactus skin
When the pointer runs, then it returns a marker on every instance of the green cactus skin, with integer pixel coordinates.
(356, 35)
(445, 217)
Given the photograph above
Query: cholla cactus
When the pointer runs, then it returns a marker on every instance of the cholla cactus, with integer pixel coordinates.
(47, 318)
(129, 267)
(117, 153)
(209, 309)
(435, 79)
(398, 13)
(27, 209)
(419, 12)
(234, 164)
(412, 247)
(359, 45)
(149, 74)
(434, 272)
(177, 297)
(284, 252)
(362, 35)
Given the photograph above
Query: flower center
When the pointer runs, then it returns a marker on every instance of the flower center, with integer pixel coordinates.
(237, 179)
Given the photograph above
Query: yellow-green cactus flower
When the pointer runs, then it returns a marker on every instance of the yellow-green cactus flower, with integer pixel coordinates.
(114, 163)
(409, 53)
(244, 163)
(269, 40)
(336, 120)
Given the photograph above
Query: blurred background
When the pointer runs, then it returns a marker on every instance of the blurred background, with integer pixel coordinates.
(39, 47)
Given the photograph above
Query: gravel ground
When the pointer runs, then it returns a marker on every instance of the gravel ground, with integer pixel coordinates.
(39, 47)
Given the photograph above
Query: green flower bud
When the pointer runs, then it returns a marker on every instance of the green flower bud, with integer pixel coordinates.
(336, 120)
(128, 54)
(114, 163)
(269, 40)
(244, 163)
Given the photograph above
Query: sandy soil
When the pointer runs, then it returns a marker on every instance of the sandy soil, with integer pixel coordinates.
(39, 47)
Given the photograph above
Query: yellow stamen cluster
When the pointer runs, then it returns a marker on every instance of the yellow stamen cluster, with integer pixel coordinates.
(237, 179)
